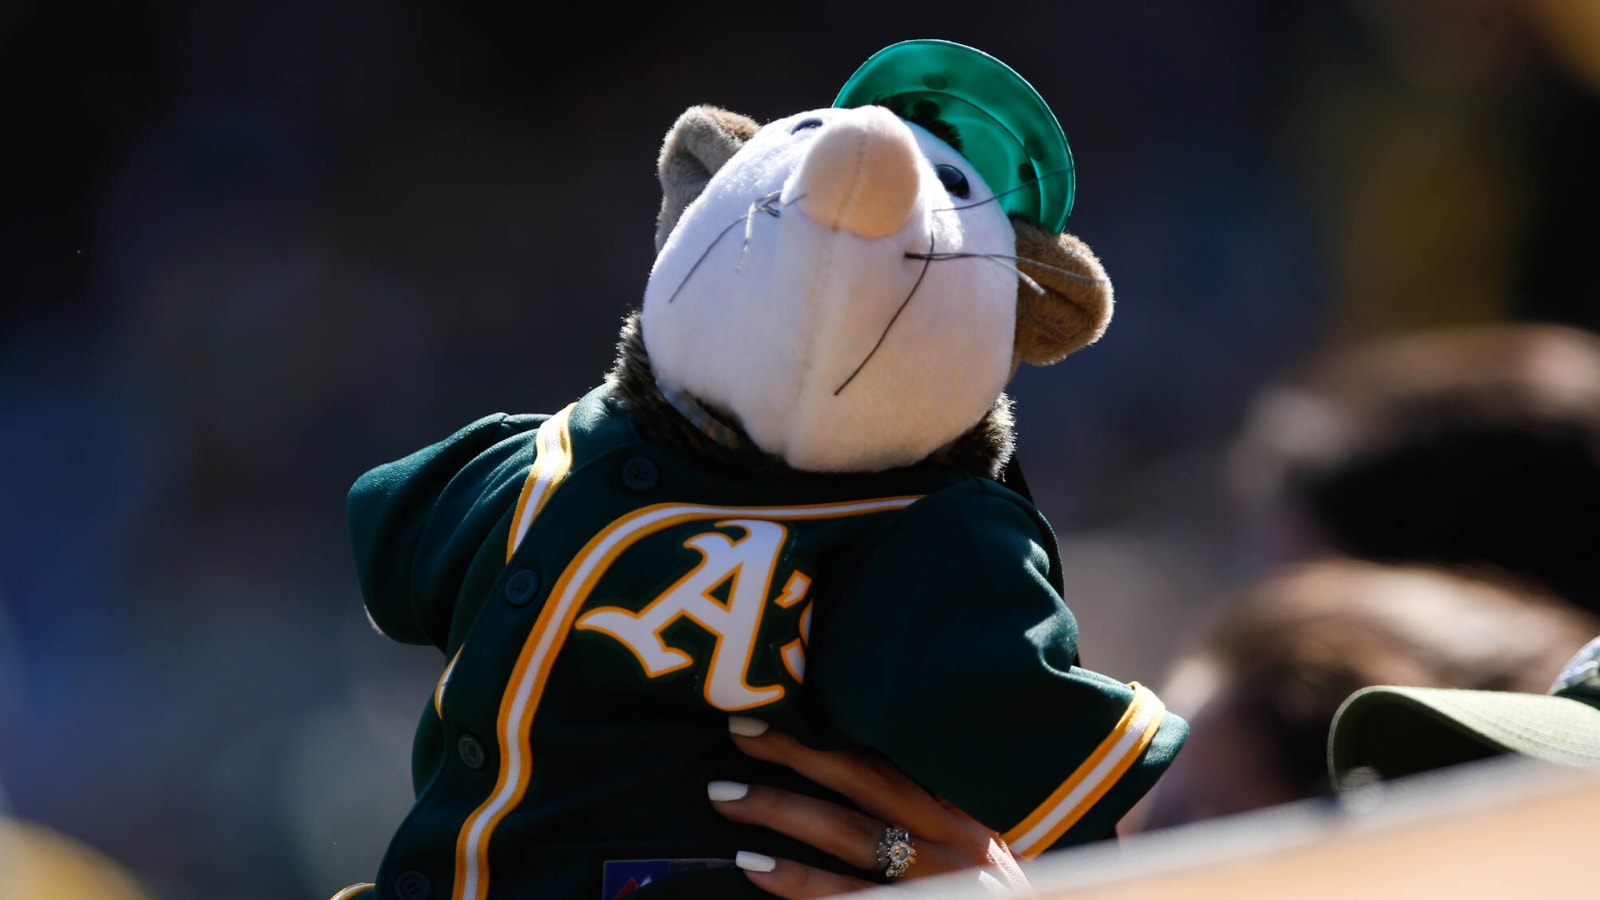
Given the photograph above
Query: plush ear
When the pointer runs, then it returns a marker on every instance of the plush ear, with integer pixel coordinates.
(1071, 306)
(702, 139)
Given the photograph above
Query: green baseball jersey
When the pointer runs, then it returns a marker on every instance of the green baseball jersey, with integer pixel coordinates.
(603, 605)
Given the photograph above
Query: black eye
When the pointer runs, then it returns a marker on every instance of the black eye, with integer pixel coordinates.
(953, 180)
(803, 124)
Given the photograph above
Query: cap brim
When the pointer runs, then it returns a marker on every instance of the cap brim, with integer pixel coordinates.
(1007, 130)
(1406, 730)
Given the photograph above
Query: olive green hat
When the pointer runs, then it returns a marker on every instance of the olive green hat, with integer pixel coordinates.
(1396, 731)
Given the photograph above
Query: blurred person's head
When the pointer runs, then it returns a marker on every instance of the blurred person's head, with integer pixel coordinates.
(1260, 690)
(1476, 445)
(40, 863)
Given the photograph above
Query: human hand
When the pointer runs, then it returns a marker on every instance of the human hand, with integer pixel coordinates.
(944, 838)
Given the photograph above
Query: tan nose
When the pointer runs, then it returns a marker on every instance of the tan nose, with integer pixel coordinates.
(860, 174)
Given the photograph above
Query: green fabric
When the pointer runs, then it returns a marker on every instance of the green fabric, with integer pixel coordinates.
(937, 637)
(969, 710)
(1007, 130)
(420, 528)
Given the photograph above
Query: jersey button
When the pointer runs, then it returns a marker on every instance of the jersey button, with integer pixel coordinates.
(412, 886)
(639, 474)
(471, 750)
(521, 587)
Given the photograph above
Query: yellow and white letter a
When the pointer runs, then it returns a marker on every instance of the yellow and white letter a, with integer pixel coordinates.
(747, 565)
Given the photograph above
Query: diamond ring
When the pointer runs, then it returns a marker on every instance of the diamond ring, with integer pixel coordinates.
(895, 851)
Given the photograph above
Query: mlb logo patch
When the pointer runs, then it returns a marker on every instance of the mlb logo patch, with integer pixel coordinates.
(622, 877)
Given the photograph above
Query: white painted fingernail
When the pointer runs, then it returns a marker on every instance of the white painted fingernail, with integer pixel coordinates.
(745, 726)
(726, 790)
(754, 862)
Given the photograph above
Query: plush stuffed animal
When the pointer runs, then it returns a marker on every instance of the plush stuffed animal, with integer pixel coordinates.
(788, 500)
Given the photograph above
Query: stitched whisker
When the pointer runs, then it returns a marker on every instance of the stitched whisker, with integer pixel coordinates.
(998, 259)
(996, 197)
(767, 203)
(927, 259)
(763, 204)
(1003, 259)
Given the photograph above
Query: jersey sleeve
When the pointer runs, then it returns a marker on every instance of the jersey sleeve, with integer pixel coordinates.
(418, 524)
(951, 653)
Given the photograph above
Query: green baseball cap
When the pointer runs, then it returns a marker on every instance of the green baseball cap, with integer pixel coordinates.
(1396, 731)
(1007, 131)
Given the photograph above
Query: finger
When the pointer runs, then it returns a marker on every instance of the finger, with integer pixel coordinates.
(866, 779)
(845, 833)
(796, 881)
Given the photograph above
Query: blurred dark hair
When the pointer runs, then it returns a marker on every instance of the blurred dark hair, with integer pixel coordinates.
(1474, 445)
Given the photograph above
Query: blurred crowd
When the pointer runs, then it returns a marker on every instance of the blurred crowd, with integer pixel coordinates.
(252, 250)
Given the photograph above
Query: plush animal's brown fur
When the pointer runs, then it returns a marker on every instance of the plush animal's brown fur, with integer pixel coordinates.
(699, 143)
(983, 450)
(1075, 306)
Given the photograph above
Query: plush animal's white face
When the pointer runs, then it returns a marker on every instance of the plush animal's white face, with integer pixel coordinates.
(795, 294)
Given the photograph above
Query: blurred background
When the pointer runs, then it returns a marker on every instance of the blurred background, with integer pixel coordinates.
(248, 251)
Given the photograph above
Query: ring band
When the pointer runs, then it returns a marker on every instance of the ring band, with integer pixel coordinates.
(896, 853)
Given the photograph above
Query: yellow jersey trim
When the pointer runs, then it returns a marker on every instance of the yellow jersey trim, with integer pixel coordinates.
(551, 464)
(1086, 786)
(549, 633)
(352, 891)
